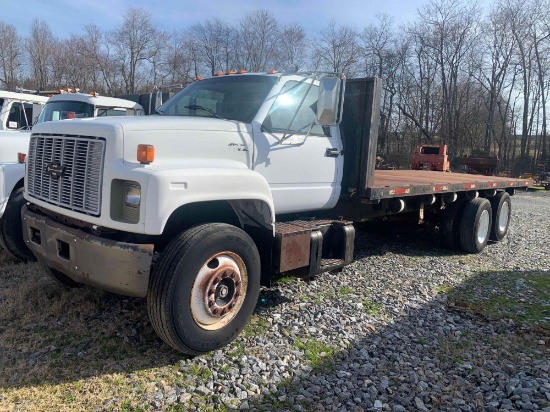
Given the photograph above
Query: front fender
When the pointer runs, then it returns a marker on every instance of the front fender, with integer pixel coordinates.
(170, 189)
(10, 175)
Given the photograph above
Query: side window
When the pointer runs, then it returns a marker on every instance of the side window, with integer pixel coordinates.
(289, 112)
(14, 118)
(110, 112)
(27, 118)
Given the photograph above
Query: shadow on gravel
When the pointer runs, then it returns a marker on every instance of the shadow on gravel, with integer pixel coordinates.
(481, 346)
(393, 237)
(429, 353)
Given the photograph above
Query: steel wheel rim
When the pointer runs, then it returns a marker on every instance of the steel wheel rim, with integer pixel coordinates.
(503, 217)
(483, 226)
(219, 290)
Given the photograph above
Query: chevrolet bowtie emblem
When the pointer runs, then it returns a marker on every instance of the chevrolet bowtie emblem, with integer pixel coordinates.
(55, 169)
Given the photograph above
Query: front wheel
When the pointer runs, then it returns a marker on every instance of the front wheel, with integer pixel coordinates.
(204, 288)
(11, 228)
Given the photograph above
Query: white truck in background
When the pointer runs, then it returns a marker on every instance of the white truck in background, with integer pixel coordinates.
(18, 111)
(20, 115)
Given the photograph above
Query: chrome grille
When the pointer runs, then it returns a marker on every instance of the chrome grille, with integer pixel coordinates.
(81, 160)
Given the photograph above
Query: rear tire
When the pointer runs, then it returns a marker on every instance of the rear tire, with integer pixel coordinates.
(204, 288)
(11, 229)
(450, 225)
(475, 225)
(501, 206)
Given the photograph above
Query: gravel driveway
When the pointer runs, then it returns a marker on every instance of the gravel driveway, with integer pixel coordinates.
(384, 334)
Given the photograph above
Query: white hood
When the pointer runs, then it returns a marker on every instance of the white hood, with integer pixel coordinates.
(176, 138)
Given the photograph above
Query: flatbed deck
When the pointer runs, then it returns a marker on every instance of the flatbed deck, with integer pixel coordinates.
(400, 183)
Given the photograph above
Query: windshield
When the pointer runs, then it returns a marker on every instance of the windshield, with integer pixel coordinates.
(65, 110)
(229, 97)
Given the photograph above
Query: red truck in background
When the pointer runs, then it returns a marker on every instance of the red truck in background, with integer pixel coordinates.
(431, 157)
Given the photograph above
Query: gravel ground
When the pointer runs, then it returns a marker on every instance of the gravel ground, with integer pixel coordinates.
(383, 335)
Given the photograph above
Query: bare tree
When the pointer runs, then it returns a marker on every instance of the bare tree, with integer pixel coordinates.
(518, 15)
(377, 42)
(494, 63)
(11, 56)
(293, 47)
(97, 57)
(336, 49)
(540, 33)
(448, 33)
(217, 44)
(133, 46)
(259, 36)
(40, 47)
(383, 57)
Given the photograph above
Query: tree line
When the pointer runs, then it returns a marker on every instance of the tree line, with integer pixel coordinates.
(474, 79)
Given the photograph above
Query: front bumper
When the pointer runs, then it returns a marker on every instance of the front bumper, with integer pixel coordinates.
(113, 266)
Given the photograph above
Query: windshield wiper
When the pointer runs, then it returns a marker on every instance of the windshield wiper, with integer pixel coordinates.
(206, 109)
(158, 111)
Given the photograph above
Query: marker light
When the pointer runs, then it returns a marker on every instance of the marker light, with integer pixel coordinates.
(145, 153)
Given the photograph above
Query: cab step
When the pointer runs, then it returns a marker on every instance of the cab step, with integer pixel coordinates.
(310, 247)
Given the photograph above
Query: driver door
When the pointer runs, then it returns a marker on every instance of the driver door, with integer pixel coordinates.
(301, 161)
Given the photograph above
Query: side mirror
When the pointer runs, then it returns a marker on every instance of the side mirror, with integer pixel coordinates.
(329, 105)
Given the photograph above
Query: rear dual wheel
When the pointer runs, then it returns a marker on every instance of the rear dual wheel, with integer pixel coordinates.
(450, 224)
(501, 205)
(475, 225)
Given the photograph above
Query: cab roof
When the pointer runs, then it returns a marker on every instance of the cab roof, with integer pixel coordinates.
(26, 97)
(102, 101)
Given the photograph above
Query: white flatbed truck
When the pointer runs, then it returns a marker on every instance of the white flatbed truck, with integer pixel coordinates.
(237, 178)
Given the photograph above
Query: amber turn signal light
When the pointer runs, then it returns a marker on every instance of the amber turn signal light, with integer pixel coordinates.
(145, 153)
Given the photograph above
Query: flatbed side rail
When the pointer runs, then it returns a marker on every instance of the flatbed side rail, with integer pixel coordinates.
(401, 183)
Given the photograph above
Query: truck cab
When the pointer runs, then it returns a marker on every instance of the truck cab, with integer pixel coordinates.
(19, 111)
(14, 145)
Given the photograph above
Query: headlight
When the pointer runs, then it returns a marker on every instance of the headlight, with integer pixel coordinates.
(132, 194)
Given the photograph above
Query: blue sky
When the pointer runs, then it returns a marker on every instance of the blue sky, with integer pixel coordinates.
(69, 16)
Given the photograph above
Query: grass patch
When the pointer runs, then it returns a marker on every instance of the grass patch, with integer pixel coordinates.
(345, 291)
(200, 372)
(454, 349)
(256, 326)
(372, 308)
(316, 351)
(285, 280)
(523, 297)
(444, 288)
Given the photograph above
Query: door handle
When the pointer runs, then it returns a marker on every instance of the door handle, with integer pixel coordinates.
(332, 152)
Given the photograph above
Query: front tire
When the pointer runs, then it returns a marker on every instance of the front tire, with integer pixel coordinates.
(475, 225)
(204, 288)
(501, 206)
(11, 229)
